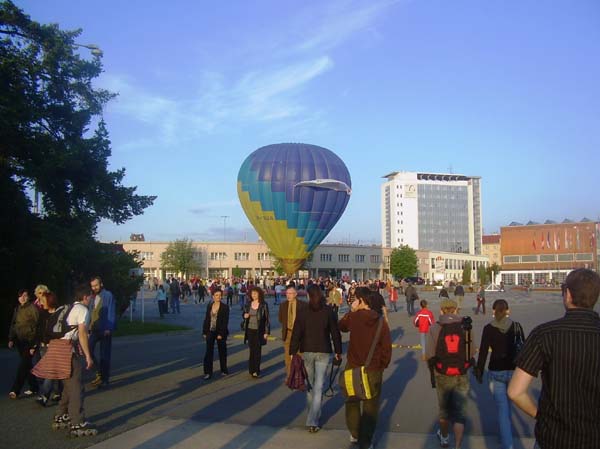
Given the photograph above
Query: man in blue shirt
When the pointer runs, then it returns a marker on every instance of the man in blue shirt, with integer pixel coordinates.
(102, 326)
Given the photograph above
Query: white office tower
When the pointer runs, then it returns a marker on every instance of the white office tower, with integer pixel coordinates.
(431, 211)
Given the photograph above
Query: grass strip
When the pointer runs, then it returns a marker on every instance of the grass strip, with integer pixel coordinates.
(126, 327)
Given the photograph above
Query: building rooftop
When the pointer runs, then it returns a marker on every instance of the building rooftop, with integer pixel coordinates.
(551, 222)
(490, 239)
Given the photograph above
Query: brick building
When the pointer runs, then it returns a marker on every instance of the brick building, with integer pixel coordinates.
(545, 253)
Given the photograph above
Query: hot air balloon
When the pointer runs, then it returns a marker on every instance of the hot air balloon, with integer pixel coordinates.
(293, 194)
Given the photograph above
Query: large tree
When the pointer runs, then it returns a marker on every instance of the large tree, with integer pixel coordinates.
(179, 258)
(54, 145)
(403, 262)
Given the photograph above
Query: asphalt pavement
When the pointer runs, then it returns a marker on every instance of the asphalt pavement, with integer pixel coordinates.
(157, 398)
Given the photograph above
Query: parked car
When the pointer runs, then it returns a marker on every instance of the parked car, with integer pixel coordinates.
(415, 280)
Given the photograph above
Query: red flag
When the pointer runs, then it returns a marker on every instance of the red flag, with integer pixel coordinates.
(543, 241)
(534, 241)
(548, 239)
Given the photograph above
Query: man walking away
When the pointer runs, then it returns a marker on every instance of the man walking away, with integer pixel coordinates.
(103, 323)
(411, 297)
(174, 298)
(567, 353)
(449, 354)
(459, 295)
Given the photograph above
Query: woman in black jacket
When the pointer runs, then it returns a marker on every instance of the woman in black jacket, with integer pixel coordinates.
(257, 328)
(215, 329)
(500, 335)
(312, 336)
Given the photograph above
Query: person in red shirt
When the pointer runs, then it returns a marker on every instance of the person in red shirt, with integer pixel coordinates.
(423, 321)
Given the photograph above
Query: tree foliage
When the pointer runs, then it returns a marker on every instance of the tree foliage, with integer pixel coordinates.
(403, 262)
(179, 258)
(482, 274)
(53, 141)
(493, 270)
(466, 274)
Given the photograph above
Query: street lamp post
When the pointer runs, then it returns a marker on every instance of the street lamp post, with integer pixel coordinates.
(224, 217)
(95, 50)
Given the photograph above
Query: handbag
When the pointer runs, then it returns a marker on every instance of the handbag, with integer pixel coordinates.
(298, 378)
(354, 382)
(519, 340)
(56, 363)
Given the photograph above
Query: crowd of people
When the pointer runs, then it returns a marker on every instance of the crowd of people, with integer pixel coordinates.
(56, 342)
(565, 351)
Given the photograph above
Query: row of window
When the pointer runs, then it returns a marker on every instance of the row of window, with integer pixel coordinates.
(146, 255)
(533, 258)
(239, 256)
(458, 264)
(358, 258)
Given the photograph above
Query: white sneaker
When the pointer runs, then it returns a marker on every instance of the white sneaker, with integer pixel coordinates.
(353, 440)
(444, 441)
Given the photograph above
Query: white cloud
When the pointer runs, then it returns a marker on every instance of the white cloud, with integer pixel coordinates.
(271, 93)
(258, 96)
(342, 21)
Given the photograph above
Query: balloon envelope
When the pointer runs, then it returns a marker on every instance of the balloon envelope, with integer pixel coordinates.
(293, 194)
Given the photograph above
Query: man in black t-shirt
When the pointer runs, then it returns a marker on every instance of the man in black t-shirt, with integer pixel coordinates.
(567, 353)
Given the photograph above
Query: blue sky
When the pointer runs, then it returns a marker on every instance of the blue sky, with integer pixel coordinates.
(505, 90)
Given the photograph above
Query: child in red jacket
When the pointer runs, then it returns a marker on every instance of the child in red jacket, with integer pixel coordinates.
(423, 320)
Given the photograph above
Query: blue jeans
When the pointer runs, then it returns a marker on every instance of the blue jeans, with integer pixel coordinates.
(316, 364)
(410, 307)
(498, 381)
(423, 341)
(175, 304)
(105, 353)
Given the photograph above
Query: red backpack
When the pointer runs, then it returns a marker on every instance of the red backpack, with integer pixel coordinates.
(450, 351)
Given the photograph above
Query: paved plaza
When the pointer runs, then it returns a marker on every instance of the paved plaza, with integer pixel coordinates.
(157, 398)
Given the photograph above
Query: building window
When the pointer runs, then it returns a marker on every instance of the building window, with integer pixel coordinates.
(343, 257)
(146, 255)
(325, 257)
(359, 258)
(375, 258)
(386, 260)
(529, 258)
(512, 259)
(585, 256)
(264, 256)
(218, 256)
(241, 256)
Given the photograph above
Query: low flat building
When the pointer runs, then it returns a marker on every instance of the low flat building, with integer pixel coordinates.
(219, 259)
(545, 253)
(442, 266)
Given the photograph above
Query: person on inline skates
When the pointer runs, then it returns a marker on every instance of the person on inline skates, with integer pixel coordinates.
(70, 408)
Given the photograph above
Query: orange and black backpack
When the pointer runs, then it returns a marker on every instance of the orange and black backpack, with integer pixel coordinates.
(451, 350)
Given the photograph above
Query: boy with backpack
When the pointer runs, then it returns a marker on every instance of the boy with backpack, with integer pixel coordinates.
(450, 354)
